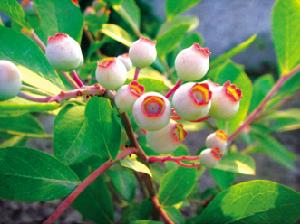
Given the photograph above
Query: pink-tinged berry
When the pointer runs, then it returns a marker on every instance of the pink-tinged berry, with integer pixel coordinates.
(10, 80)
(225, 101)
(210, 157)
(127, 95)
(142, 52)
(167, 139)
(124, 58)
(192, 63)
(192, 100)
(218, 139)
(151, 111)
(111, 73)
(63, 52)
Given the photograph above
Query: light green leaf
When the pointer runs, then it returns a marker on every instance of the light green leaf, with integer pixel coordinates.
(14, 10)
(223, 178)
(13, 141)
(174, 7)
(253, 202)
(59, 16)
(176, 185)
(30, 175)
(286, 32)
(233, 52)
(175, 215)
(130, 12)
(117, 33)
(134, 164)
(237, 163)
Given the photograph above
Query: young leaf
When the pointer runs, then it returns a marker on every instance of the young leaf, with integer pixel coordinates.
(30, 175)
(176, 185)
(174, 7)
(55, 17)
(25, 52)
(117, 33)
(253, 202)
(286, 32)
(134, 164)
(24, 125)
(14, 10)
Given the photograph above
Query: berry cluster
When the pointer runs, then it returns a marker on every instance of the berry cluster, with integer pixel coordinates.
(156, 114)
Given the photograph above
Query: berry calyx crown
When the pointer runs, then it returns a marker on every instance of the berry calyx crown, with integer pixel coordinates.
(147, 40)
(203, 50)
(216, 153)
(200, 94)
(232, 91)
(178, 133)
(153, 106)
(57, 37)
(221, 135)
(106, 63)
(136, 89)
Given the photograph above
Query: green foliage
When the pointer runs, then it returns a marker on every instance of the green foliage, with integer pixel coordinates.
(14, 10)
(117, 33)
(30, 175)
(253, 202)
(174, 7)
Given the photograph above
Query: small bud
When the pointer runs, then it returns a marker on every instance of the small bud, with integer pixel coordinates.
(151, 111)
(192, 63)
(127, 95)
(63, 52)
(217, 139)
(142, 52)
(192, 100)
(210, 157)
(124, 58)
(225, 101)
(111, 73)
(10, 80)
(167, 139)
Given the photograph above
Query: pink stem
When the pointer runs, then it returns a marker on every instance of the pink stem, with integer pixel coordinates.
(38, 41)
(172, 90)
(263, 103)
(83, 185)
(77, 79)
(175, 159)
(70, 80)
(162, 212)
(201, 119)
(136, 74)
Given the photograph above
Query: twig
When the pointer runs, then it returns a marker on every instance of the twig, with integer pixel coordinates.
(162, 212)
(83, 185)
(163, 159)
(264, 102)
(36, 38)
(136, 74)
(175, 87)
(77, 79)
(70, 80)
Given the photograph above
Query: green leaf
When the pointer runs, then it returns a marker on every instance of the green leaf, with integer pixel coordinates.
(137, 211)
(145, 222)
(22, 50)
(134, 164)
(286, 32)
(14, 10)
(176, 185)
(191, 38)
(30, 175)
(223, 178)
(253, 202)
(59, 16)
(270, 146)
(95, 202)
(174, 7)
(130, 12)
(233, 52)
(117, 33)
(124, 182)
(25, 125)
(261, 87)
(237, 163)
(175, 215)
(12, 141)
(17, 106)
(236, 74)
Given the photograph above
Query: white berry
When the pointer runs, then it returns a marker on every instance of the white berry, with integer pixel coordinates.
(210, 157)
(126, 61)
(217, 139)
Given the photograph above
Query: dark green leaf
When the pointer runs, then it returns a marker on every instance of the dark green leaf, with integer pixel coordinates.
(137, 211)
(175, 215)
(174, 7)
(176, 185)
(30, 175)
(223, 178)
(11, 141)
(286, 32)
(145, 222)
(59, 16)
(253, 202)
(14, 10)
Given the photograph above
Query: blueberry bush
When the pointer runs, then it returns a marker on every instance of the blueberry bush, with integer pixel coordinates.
(125, 90)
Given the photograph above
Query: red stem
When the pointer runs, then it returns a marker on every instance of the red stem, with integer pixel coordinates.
(175, 159)
(83, 185)
(162, 212)
(70, 80)
(263, 103)
(38, 41)
(77, 79)
(136, 74)
(172, 90)
(201, 119)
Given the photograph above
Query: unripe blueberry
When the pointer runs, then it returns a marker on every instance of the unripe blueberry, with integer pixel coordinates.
(10, 80)
(217, 139)
(192, 63)
(192, 100)
(63, 52)
(111, 73)
(210, 157)
(151, 111)
(142, 52)
(225, 101)
(167, 139)
(125, 60)
(127, 95)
